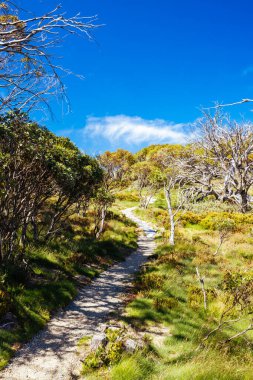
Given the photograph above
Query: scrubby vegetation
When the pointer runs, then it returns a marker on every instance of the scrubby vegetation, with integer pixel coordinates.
(195, 343)
(61, 222)
(56, 270)
(61, 225)
(51, 210)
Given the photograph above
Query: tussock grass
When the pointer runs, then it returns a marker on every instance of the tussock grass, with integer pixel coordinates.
(51, 282)
(169, 294)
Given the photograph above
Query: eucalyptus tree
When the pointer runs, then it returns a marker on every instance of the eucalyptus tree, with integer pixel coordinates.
(29, 69)
(76, 177)
(101, 202)
(148, 179)
(25, 180)
(115, 166)
(221, 161)
(175, 187)
(38, 171)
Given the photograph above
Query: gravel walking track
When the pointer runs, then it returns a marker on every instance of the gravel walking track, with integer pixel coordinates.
(52, 354)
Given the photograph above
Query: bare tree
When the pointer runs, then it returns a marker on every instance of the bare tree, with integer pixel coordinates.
(221, 163)
(202, 284)
(174, 211)
(226, 228)
(29, 72)
(173, 180)
(237, 307)
(148, 180)
(219, 105)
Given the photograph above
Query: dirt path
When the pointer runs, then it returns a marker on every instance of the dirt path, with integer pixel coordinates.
(51, 355)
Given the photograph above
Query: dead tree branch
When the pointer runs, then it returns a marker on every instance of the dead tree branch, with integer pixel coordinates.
(202, 284)
(29, 72)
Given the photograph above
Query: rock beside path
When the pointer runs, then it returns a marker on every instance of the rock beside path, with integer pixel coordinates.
(97, 341)
(52, 354)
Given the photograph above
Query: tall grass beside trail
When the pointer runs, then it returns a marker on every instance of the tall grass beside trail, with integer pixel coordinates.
(54, 271)
(126, 198)
(169, 298)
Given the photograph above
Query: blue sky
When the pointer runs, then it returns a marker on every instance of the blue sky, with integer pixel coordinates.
(152, 67)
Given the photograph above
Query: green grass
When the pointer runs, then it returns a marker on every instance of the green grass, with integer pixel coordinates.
(52, 283)
(168, 294)
(126, 198)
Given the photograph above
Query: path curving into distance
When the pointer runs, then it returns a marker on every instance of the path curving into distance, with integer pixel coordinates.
(51, 355)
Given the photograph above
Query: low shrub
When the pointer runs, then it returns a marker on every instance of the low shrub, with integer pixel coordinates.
(184, 249)
(127, 196)
(153, 281)
(5, 302)
(211, 219)
(164, 303)
(105, 356)
(195, 296)
(190, 217)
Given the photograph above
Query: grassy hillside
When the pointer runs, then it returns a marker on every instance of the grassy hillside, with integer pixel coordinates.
(169, 300)
(55, 272)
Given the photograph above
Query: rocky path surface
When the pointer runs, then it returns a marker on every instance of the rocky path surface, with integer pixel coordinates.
(51, 355)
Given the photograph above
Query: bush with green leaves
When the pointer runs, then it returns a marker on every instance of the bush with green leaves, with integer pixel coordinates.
(38, 168)
(105, 356)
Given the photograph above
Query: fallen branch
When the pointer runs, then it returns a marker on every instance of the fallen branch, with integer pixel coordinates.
(249, 328)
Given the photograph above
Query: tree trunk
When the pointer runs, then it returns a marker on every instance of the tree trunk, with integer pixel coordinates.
(244, 201)
(202, 284)
(218, 248)
(35, 230)
(171, 216)
(51, 227)
(1, 249)
(102, 223)
(23, 237)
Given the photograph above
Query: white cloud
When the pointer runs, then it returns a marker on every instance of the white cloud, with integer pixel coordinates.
(135, 130)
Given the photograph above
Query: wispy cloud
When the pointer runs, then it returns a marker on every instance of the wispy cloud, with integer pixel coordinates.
(248, 70)
(136, 130)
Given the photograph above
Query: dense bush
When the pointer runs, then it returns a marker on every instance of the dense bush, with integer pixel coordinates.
(5, 302)
(127, 196)
(38, 172)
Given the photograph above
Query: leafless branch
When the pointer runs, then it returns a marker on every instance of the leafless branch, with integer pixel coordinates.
(29, 73)
(202, 284)
(218, 106)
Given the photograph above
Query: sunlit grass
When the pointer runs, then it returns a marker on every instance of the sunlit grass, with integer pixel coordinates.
(54, 266)
(167, 297)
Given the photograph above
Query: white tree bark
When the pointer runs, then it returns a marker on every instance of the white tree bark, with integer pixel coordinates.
(171, 216)
(102, 223)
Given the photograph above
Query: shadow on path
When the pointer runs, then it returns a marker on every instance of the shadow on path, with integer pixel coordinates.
(51, 355)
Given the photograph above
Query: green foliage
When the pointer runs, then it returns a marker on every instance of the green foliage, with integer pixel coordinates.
(114, 352)
(162, 303)
(127, 196)
(95, 360)
(212, 220)
(190, 217)
(53, 271)
(133, 368)
(37, 169)
(116, 166)
(195, 296)
(105, 356)
(5, 302)
(154, 153)
(153, 280)
(169, 294)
